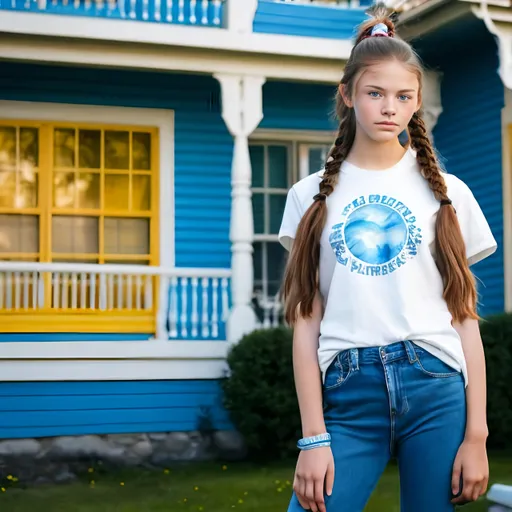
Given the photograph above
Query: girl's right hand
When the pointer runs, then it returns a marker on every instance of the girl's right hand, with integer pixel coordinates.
(314, 475)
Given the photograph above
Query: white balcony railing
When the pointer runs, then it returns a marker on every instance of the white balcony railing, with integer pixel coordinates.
(175, 303)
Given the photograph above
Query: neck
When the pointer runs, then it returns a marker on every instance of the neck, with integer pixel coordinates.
(369, 154)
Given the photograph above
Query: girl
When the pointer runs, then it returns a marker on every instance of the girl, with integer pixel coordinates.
(388, 358)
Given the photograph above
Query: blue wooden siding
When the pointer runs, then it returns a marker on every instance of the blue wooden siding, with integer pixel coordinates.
(468, 135)
(203, 146)
(298, 106)
(274, 17)
(39, 409)
(210, 15)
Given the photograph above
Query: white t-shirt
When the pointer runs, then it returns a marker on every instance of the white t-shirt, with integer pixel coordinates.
(378, 277)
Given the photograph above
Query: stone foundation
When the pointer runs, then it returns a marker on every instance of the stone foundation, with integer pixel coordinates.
(59, 459)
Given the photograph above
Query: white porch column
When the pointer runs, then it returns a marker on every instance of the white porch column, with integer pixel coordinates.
(432, 106)
(242, 111)
(239, 15)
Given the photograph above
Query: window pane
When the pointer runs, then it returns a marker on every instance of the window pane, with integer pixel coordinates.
(258, 212)
(29, 146)
(64, 147)
(7, 188)
(89, 149)
(27, 192)
(117, 148)
(116, 191)
(276, 261)
(141, 151)
(126, 236)
(278, 166)
(258, 263)
(64, 189)
(19, 233)
(7, 146)
(88, 190)
(257, 164)
(75, 234)
(141, 192)
(277, 203)
(317, 158)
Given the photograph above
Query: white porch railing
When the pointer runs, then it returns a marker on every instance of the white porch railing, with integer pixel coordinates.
(191, 303)
(326, 3)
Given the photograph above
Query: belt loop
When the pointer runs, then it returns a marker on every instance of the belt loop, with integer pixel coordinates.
(354, 358)
(411, 353)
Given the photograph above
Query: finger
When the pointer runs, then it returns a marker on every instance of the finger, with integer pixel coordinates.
(310, 490)
(319, 494)
(456, 478)
(313, 507)
(298, 487)
(303, 503)
(485, 485)
(329, 479)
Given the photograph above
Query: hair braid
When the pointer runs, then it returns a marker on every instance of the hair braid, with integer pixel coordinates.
(300, 279)
(459, 283)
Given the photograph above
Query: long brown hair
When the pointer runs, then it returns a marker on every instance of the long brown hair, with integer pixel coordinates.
(301, 274)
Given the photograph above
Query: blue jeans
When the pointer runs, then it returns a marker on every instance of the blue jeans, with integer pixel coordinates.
(393, 401)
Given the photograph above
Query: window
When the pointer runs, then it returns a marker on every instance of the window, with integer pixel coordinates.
(275, 167)
(77, 193)
(82, 194)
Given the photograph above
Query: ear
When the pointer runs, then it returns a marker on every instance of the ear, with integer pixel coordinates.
(346, 97)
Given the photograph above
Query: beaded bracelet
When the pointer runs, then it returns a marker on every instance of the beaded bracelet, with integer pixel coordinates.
(308, 443)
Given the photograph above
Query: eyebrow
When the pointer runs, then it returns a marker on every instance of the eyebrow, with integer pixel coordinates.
(381, 89)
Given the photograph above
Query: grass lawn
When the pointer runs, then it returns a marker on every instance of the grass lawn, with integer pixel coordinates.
(194, 488)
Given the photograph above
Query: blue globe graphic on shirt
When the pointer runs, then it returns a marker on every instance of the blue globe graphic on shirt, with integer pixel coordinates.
(375, 233)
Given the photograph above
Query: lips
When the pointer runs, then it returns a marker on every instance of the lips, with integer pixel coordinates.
(387, 123)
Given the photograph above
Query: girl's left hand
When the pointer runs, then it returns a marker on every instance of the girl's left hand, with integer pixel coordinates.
(472, 463)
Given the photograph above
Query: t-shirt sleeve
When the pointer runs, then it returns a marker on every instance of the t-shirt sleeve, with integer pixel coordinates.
(478, 237)
(291, 218)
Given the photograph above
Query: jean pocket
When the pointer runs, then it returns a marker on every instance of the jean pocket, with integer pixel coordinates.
(339, 371)
(433, 366)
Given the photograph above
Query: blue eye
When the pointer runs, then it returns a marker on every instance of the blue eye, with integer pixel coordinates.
(372, 93)
(404, 97)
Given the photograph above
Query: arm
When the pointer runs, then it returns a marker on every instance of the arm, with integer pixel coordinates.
(314, 474)
(471, 458)
(476, 391)
(307, 372)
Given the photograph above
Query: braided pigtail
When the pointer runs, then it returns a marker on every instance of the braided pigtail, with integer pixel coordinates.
(459, 283)
(300, 278)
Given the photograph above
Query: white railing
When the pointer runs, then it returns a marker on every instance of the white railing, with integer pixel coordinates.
(192, 303)
(269, 310)
(186, 12)
(325, 3)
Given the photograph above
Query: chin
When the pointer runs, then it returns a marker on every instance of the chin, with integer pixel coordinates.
(384, 136)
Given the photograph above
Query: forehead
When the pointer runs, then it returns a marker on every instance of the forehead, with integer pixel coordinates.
(390, 75)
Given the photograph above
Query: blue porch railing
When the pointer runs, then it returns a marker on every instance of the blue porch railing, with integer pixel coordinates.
(207, 13)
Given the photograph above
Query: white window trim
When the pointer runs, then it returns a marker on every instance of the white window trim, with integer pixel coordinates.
(97, 360)
(507, 199)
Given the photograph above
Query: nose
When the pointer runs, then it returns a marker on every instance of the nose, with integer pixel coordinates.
(389, 108)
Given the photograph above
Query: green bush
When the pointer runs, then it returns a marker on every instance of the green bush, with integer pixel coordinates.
(260, 393)
(497, 336)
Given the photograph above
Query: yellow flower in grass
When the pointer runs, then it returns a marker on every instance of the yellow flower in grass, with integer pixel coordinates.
(90, 470)
(14, 479)
(121, 484)
(240, 501)
(185, 500)
(196, 488)
(246, 493)
(166, 471)
(200, 507)
(224, 468)
(9, 477)
(279, 489)
(3, 489)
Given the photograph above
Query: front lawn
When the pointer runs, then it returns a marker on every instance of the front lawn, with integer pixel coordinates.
(195, 488)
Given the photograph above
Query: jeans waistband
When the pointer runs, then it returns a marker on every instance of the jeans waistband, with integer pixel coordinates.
(387, 353)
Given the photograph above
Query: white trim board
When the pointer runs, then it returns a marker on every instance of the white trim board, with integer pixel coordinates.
(127, 31)
(162, 58)
(507, 199)
(94, 370)
(120, 360)
(162, 119)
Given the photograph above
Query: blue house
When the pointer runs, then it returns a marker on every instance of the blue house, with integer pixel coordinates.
(146, 148)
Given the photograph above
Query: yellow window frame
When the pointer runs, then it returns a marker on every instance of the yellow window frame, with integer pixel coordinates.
(47, 318)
